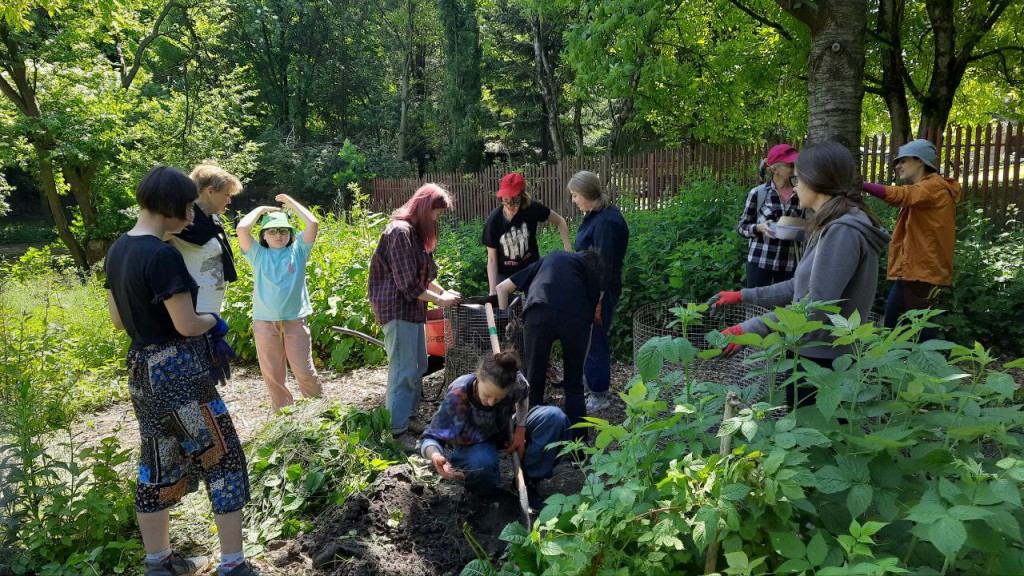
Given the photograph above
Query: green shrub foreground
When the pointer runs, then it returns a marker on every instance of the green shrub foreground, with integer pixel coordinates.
(909, 463)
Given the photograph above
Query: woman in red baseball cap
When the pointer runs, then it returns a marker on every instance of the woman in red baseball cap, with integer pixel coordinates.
(510, 232)
(770, 259)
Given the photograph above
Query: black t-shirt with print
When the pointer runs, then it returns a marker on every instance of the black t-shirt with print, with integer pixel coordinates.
(142, 272)
(516, 239)
(560, 280)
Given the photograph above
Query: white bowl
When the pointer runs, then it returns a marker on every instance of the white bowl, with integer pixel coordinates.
(783, 232)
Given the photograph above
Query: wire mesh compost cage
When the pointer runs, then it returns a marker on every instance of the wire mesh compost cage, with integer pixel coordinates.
(466, 337)
(736, 372)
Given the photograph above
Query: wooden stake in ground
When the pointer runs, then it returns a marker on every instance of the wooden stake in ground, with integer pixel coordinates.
(517, 471)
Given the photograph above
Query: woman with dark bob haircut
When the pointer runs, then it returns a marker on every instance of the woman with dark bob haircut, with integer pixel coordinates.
(844, 241)
(187, 433)
(402, 280)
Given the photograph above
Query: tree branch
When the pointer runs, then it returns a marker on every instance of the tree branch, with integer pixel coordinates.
(13, 95)
(1000, 51)
(805, 13)
(129, 77)
(762, 19)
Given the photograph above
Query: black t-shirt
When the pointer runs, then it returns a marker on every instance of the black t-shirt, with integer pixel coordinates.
(516, 239)
(560, 280)
(142, 272)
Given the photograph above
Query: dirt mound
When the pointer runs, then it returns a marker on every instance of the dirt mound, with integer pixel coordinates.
(407, 526)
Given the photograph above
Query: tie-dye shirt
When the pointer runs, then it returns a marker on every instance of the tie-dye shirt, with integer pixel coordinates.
(463, 420)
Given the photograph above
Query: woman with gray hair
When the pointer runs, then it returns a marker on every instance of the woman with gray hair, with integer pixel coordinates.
(603, 230)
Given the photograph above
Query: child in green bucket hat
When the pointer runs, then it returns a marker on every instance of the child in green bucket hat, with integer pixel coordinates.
(280, 297)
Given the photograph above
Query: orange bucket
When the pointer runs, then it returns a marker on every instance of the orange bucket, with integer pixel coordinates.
(435, 336)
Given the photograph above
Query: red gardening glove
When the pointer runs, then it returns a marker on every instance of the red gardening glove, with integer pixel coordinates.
(597, 314)
(518, 443)
(733, 330)
(722, 299)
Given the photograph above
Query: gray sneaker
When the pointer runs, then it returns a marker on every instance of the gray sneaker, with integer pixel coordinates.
(597, 402)
(243, 569)
(176, 565)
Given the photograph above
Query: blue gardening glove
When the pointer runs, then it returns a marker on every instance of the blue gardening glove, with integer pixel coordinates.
(220, 329)
(221, 353)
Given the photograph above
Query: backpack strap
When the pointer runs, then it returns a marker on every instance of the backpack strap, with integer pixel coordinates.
(762, 195)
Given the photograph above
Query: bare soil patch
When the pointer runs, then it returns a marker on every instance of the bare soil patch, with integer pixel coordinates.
(409, 523)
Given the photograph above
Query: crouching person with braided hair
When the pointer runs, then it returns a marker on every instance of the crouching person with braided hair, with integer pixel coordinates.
(472, 424)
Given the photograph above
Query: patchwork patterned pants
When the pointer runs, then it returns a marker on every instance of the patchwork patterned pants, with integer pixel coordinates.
(187, 433)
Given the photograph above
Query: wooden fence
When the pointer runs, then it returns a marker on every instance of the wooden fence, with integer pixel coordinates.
(986, 160)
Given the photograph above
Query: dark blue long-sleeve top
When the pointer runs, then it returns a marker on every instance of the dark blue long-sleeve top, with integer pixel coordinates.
(606, 232)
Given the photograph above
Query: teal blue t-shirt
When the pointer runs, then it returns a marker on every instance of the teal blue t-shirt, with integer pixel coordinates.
(279, 281)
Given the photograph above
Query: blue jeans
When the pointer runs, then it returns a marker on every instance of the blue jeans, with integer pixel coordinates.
(597, 371)
(406, 345)
(479, 462)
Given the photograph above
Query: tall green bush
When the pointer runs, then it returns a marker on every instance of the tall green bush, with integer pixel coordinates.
(909, 462)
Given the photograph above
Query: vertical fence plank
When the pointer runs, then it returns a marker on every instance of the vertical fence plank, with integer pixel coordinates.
(986, 165)
(1018, 146)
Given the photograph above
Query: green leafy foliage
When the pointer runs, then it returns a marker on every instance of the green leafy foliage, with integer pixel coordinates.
(310, 457)
(64, 507)
(912, 467)
(988, 285)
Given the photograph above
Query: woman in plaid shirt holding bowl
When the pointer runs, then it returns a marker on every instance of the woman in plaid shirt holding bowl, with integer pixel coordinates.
(771, 259)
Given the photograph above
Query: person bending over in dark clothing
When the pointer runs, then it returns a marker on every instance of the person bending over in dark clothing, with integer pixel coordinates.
(563, 296)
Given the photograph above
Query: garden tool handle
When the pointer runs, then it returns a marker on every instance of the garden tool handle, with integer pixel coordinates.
(517, 469)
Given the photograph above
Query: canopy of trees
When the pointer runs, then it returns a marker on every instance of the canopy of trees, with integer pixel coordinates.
(307, 96)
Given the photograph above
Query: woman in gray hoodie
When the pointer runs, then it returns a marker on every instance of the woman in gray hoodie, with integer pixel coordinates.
(840, 263)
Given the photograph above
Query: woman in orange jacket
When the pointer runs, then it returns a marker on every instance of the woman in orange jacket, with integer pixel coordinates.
(921, 249)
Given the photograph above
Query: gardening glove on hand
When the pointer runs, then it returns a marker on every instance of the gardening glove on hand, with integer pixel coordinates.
(597, 314)
(876, 190)
(732, 348)
(518, 443)
(221, 352)
(722, 299)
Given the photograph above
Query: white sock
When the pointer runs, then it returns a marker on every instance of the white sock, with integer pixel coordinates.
(159, 556)
(229, 561)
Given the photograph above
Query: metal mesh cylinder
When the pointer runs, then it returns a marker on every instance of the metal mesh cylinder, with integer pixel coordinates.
(466, 337)
(652, 320)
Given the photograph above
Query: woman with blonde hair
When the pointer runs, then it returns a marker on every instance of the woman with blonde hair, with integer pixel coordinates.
(204, 244)
(403, 279)
(603, 230)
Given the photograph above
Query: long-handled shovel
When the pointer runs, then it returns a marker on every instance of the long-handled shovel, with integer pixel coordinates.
(517, 470)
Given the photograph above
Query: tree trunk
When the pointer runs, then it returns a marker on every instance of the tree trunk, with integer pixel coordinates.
(548, 85)
(947, 69)
(577, 126)
(48, 186)
(835, 83)
(403, 123)
(894, 91)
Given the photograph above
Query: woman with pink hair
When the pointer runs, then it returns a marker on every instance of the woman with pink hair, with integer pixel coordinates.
(402, 280)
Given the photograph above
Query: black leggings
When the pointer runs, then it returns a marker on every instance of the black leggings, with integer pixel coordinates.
(543, 325)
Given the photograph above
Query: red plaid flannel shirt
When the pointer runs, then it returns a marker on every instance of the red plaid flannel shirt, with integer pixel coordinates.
(400, 271)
